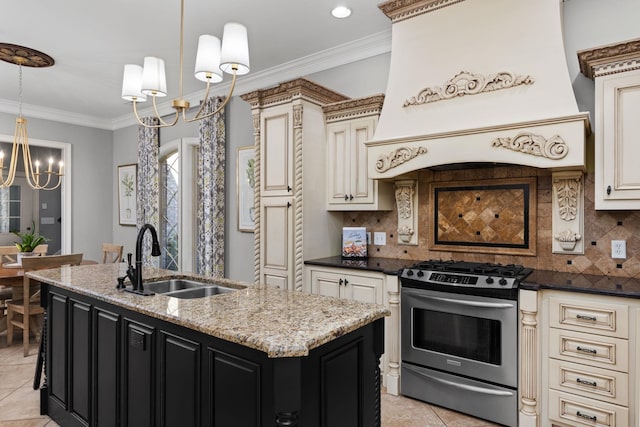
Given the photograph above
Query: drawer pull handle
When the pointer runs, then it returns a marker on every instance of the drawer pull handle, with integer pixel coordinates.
(587, 416)
(585, 382)
(584, 317)
(587, 350)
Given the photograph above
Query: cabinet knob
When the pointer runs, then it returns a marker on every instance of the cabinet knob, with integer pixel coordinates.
(350, 196)
(288, 204)
(346, 197)
(340, 282)
(289, 188)
(608, 190)
(346, 282)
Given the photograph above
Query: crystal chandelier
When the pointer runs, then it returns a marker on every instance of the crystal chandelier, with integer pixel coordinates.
(212, 59)
(20, 56)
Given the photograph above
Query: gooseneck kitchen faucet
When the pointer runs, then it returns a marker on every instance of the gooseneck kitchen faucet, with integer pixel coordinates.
(135, 273)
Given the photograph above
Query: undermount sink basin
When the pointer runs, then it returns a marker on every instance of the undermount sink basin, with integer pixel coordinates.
(185, 288)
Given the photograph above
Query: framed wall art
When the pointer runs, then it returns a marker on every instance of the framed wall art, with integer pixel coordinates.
(127, 183)
(245, 182)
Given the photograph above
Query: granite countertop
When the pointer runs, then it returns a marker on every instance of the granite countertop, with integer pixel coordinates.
(384, 265)
(586, 283)
(277, 322)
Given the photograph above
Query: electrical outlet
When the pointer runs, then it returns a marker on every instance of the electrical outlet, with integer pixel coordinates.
(380, 238)
(619, 249)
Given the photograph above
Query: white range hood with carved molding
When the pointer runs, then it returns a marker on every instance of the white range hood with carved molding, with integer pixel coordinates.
(477, 81)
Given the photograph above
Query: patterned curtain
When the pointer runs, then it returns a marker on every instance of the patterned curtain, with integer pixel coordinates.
(210, 244)
(148, 193)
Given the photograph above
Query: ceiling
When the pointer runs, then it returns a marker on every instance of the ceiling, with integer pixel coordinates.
(92, 40)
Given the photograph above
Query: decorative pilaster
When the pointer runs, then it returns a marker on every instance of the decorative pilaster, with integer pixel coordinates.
(256, 196)
(392, 335)
(529, 350)
(297, 170)
(406, 202)
(568, 212)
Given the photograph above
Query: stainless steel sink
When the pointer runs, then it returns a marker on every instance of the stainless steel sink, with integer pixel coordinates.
(185, 288)
(170, 285)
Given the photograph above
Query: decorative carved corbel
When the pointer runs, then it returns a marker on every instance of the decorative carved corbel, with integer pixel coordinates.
(406, 202)
(568, 212)
(553, 148)
(398, 157)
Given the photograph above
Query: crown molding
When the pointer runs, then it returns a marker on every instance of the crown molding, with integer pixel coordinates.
(37, 112)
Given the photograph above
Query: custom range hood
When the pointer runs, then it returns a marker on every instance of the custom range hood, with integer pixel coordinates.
(477, 81)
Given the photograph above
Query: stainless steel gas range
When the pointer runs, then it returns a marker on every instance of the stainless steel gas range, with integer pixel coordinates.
(460, 336)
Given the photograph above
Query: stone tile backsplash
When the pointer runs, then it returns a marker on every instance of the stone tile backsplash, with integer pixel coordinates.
(600, 227)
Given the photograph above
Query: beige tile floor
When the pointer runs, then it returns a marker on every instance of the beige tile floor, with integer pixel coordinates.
(20, 404)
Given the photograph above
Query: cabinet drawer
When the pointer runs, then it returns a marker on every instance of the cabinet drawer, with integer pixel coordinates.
(590, 317)
(594, 350)
(603, 384)
(574, 410)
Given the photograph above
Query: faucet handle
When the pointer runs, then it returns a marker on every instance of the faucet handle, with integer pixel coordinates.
(129, 255)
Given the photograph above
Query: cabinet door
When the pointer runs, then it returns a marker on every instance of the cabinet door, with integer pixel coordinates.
(276, 247)
(80, 361)
(338, 162)
(363, 288)
(180, 389)
(276, 151)
(107, 367)
(360, 184)
(139, 375)
(57, 348)
(236, 387)
(617, 149)
(326, 283)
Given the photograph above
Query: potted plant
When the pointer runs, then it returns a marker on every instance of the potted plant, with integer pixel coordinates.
(28, 242)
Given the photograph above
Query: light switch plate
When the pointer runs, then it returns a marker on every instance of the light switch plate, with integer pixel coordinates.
(380, 238)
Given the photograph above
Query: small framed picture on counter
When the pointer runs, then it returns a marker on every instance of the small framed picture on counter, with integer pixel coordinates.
(354, 242)
(127, 183)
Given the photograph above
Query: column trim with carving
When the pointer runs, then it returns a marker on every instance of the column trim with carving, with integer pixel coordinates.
(529, 388)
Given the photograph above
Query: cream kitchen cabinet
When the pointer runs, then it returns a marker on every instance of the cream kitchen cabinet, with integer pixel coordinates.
(616, 70)
(349, 125)
(290, 150)
(371, 287)
(363, 287)
(588, 359)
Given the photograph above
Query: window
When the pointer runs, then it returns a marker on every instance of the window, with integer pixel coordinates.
(170, 212)
(177, 206)
(10, 209)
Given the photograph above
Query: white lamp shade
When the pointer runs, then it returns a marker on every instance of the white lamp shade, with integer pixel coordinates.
(208, 59)
(131, 83)
(154, 80)
(235, 49)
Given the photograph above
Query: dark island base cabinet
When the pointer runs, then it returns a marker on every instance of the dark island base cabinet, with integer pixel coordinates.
(108, 366)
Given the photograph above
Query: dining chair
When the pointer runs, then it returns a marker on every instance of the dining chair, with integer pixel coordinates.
(29, 306)
(111, 253)
(8, 254)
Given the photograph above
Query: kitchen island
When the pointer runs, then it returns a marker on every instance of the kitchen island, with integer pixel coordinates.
(255, 356)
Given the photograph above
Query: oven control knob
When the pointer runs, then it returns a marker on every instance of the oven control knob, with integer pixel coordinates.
(410, 273)
(489, 280)
(420, 273)
(503, 281)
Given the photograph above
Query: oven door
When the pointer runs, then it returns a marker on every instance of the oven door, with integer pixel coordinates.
(462, 334)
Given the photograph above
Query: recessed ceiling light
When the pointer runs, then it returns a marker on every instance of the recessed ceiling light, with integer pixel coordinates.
(341, 12)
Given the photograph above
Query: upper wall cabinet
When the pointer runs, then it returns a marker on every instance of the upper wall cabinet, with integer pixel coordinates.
(616, 71)
(349, 125)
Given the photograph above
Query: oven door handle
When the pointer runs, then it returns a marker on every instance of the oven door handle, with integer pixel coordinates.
(469, 303)
(466, 387)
